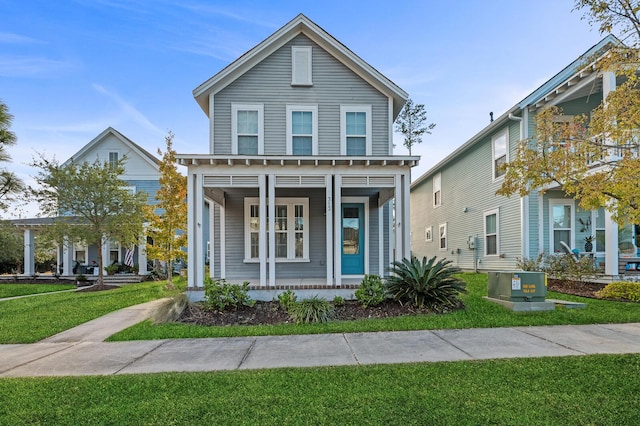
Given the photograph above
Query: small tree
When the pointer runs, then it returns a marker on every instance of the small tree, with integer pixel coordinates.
(12, 251)
(10, 184)
(411, 123)
(168, 219)
(94, 203)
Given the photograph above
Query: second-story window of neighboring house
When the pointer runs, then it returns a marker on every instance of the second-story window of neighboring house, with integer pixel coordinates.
(356, 130)
(437, 190)
(499, 145)
(491, 233)
(113, 159)
(442, 236)
(247, 126)
(302, 125)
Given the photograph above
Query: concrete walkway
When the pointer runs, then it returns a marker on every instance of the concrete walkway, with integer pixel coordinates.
(81, 351)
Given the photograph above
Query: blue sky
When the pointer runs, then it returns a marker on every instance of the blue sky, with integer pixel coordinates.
(71, 68)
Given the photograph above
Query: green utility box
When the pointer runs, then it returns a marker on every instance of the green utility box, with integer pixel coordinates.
(518, 286)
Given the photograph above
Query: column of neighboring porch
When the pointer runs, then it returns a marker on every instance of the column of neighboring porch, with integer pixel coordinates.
(29, 252)
(399, 219)
(67, 257)
(142, 255)
(262, 241)
(337, 235)
(271, 205)
(328, 212)
(611, 228)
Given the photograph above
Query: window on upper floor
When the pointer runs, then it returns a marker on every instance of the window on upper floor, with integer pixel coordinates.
(437, 190)
(355, 130)
(247, 123)
(291, 229)
(491, 233)
(499, 148)
(301, 70)
(428, 234)
(113, 159)
(302, 130)
(442, 236)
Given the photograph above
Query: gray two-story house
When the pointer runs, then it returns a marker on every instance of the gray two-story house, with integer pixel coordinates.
(457, 214)
(299, 188)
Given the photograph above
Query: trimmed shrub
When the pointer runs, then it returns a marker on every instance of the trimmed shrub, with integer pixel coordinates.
(314, 309)
(220, 295)
(621, 290)
(286, 299)
(338, 300)
(371, 291)
(562, 266)
(425, 282)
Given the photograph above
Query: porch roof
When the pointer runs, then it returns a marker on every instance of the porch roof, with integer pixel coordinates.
(278, 160)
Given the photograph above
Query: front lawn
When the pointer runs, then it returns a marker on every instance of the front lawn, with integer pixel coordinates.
(30, 319)
(594, 390)
(479, 313)
(13, 290)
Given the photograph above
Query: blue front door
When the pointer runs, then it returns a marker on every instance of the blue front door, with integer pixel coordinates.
(352, 239)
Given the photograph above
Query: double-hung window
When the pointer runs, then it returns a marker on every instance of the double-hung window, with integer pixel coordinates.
(247, 122)
(499, 148)
(113, 159)
(491, 233)
(355, 129)
(442, 236)
(291, 229)
(302, 130)
(561, 214)
(437, 190)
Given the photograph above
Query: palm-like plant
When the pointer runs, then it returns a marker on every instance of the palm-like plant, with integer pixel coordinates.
(425, 282)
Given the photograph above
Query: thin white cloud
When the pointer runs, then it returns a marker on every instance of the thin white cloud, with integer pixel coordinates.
(128, 110)
(204, 8)
(11, 38)
(33, 67)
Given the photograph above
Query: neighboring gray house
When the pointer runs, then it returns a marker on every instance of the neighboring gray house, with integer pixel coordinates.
(297, 183)
(141, 174)
(457, 215)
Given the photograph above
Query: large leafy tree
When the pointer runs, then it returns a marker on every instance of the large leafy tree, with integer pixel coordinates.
(12, 248)
(168, 219)
(10, 184)
(411, 122)
(593, 159)
(94, 204)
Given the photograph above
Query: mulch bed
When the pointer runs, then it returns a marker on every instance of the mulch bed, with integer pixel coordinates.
(576, 288)
(271, 313)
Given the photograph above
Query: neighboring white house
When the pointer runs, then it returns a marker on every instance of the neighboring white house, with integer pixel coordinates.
(457, 215)
(295, 186)
(141, 174)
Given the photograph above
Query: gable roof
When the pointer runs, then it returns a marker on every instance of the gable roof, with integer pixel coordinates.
(299, 25)
(146, 155)
(573, 72)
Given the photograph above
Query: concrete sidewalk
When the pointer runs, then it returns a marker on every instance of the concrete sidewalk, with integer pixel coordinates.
(81, 351)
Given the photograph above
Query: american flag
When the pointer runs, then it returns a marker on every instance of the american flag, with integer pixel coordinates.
(128, 257)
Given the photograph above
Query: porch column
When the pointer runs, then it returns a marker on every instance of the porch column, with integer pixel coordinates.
(212, 238)
(271, 205)
(105, 247)
(29, 252)
(67, 257)
(610, 245)
(142, 254)
(262, 243)
(223, 239)
(191, 231)
(337, 235)
(399, 218)
(199, 231)
(380, 239)
(406, 228)
(328, 213)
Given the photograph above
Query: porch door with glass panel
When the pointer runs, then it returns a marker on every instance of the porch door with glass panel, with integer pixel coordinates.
(561, 216)
(352, 239)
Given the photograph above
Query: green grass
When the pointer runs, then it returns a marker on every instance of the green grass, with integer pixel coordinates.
(13, 290)
(30, 319)
(479, 313)
(598, 389)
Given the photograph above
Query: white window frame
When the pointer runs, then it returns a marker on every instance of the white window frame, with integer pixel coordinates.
(495, 212)
(290, 202)
(437, 190)
(441, 227)
(503, 133)
(344, 109)
(234, 125)
(313, 109)
(572, 230)
(113, 163)
(301, 56)
(428, 234)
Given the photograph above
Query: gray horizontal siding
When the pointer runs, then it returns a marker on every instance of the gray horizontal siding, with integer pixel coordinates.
(269, 83)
